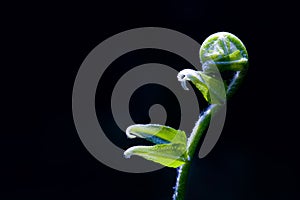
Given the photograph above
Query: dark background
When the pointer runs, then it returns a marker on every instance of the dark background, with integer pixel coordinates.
(44, 45)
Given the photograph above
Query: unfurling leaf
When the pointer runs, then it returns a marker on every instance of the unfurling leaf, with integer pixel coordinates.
(196, 79)
(224, 51)
(216, 88)
(170, 148)
(156, 133)
(212, 89)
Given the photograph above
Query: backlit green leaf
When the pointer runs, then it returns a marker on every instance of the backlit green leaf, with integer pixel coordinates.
(170, 155)
(196, 79)
(170, 148)
(212, 89)
(216, 88)
(156, 133)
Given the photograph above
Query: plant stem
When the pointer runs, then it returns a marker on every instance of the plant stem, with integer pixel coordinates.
(181, 181)
(199, 129)
(193, 141)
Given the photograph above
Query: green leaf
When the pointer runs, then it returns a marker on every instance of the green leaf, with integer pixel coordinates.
(196, 79)
(156, 133)
(170, 148)
(212, 89)
(170, 155)
(216, 88)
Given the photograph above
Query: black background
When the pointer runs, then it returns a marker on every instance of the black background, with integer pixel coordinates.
(44, 45)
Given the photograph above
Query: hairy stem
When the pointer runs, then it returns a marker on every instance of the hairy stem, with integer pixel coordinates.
(193, 141)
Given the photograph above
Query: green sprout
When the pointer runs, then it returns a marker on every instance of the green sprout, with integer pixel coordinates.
(220, 52)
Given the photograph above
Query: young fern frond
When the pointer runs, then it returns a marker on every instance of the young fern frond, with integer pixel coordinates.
(219, 52)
